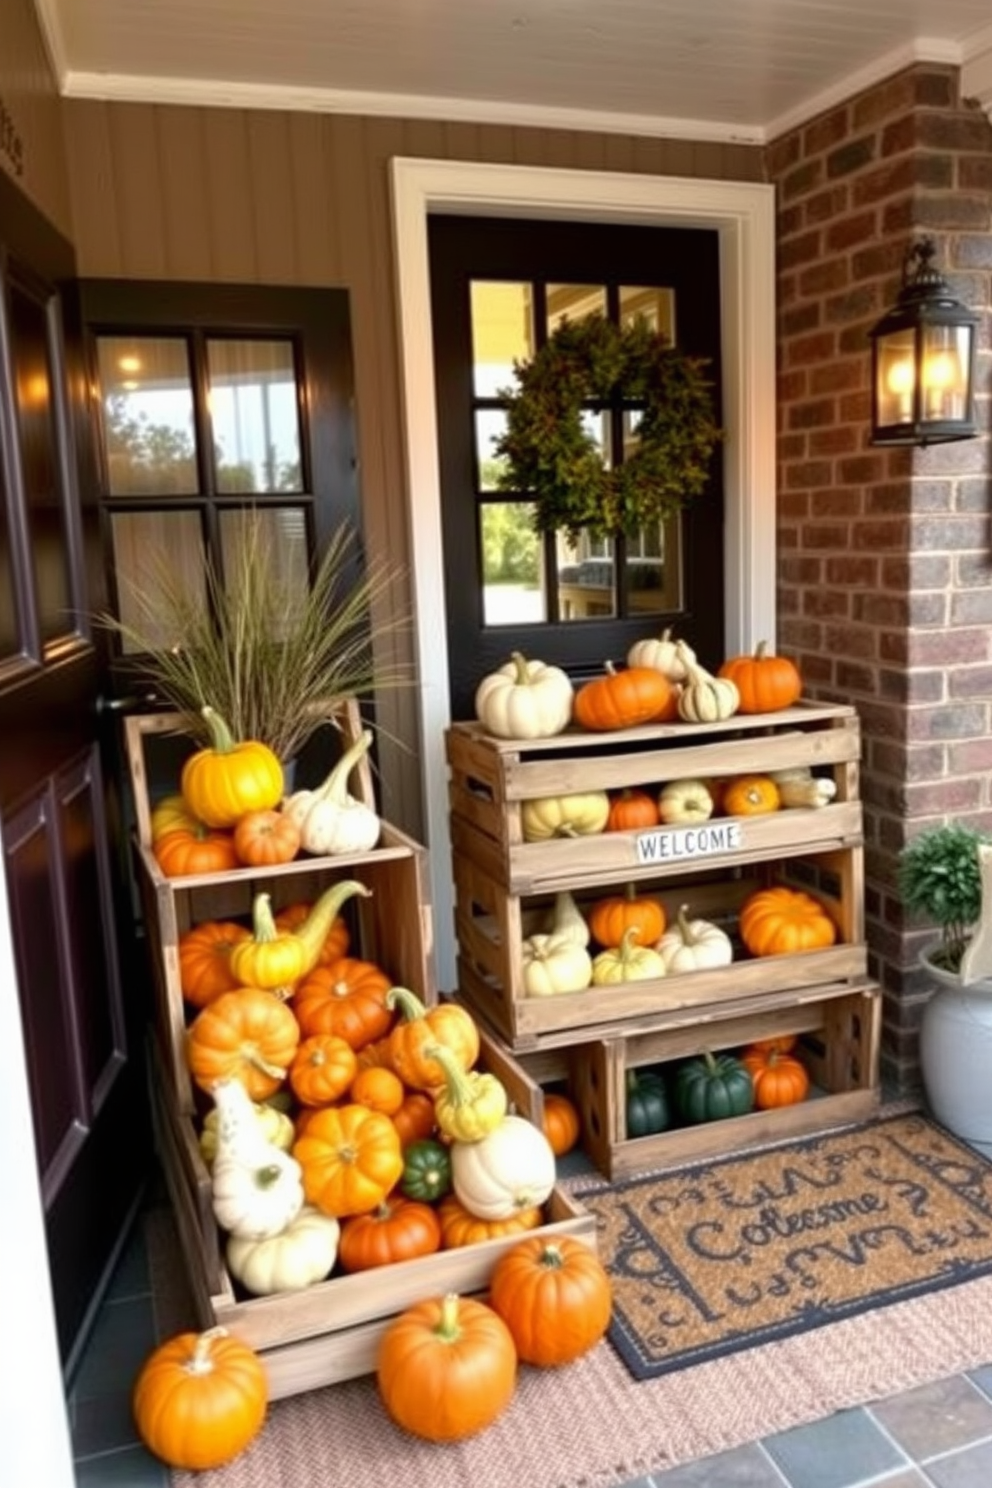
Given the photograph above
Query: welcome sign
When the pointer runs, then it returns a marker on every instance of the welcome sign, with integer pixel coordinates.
(672, 844)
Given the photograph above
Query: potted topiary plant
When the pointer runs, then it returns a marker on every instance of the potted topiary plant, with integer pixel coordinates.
(945, 878)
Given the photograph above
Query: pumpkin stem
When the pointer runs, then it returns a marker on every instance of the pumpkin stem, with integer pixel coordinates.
(221, 739)
(631, 935)
(519, 660)
(760, 650)
(460, 1088)
(448, 1328)
(199, 1361)
(250, 1054)
(410, 1006)
(264, 928)
(551, 1258)
(335, 787)
(684, 928)
(314, 929)
(266, 1176)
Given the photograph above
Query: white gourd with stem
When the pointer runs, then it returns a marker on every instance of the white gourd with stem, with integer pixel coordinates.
(331, 821)
(301, 1254)
(567, 920)
(256, 1187)
(693, 945)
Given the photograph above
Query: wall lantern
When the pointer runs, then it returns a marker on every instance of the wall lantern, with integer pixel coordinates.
(923, 360)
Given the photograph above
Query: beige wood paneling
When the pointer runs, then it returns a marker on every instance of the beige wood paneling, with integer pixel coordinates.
(264, 197)
(30, 98)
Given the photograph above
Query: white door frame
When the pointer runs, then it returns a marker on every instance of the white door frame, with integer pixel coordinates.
(742, 213)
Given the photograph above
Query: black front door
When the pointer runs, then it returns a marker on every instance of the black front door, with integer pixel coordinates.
(498, 289)
(70, 926)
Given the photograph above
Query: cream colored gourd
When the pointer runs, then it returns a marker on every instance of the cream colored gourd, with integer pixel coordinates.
(524, 700)
(510, 1169)
(331, 821)
(683, 802)
(693, 945)
(627, 962)
(663, 654)
(554, 964)
(274, 1126)
(256, 1188)
(800, 787)
(580, 815)
(705, 698)
(301, 1254)
(567, 920)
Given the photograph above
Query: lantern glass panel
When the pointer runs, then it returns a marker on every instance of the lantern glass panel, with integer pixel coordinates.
(945, 360)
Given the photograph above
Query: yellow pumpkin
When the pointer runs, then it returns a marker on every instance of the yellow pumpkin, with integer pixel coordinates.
(222, 783)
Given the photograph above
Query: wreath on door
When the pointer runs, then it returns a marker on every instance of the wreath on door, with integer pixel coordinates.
(546, 454)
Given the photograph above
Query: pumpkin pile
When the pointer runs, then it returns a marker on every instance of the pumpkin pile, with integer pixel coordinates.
(231, 812)
(763, 1075)
(662, 682)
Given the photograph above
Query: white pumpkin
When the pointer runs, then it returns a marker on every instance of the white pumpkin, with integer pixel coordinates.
(663, 654)
(800, 787)
(509, 1169)
(582, 814)
(627, 962)
(685, 802)
(274, 1126)
(525, 700)
(301, 1254)
(567, 920)
(331, 821)
(705, 698)
(553, 965)
(693, 945)
(256, 1188)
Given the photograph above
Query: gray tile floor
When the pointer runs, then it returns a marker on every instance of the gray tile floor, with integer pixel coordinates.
(939, 1435)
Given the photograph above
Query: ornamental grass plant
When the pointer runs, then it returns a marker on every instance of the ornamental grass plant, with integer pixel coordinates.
(271, 656)
(940, 881)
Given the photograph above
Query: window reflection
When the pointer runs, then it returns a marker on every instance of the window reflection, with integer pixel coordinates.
(149, 433)
(586, 582)
(502, 333)
(156, 554)
(512, 570)
(255, 416)
(574, 302)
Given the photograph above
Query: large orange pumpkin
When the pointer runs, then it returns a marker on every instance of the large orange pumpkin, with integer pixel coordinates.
(782, 921)
(554, 1296)
(199, 1399)
(446, 1368)
(618, 700)
(765, 682)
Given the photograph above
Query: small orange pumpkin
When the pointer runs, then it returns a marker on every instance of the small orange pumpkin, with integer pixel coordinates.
(766, 683)
(555, 1297)
(183, 851)
(783, 921)
(199, 1399)
(610, 918)
(632, 811)
(379, 1089)
(779, 1079)
(419, 1029)
(205, 960)
(416, 1118)
(323, 1068)
(399, 1229)
(751, 795)
(561, 1123)
(623, 699)
(348, 997)
(247, 1035)
(459, 1227)
(351, 1159)
(262, 838)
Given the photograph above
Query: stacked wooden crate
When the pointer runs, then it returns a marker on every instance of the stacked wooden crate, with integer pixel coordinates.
(329, 1331)
(506, 887)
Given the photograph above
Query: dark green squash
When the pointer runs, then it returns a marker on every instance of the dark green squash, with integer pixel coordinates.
(647, 1103)
(426, 1171)
(713, 1087)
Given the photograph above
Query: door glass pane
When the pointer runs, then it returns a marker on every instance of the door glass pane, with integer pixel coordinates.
(158, 560)
(11, 642)
(656, 306)
(652, 572)
(574, 302)
(585, 577)
(255, 415)
(502, 333)
(512, 568)
(490, 425)
(147, 399)
(283, 533)
(43, 487)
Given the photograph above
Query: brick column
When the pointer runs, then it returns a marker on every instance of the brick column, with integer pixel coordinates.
(885, 555)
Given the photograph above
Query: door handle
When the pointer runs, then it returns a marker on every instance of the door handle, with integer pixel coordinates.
(106, 704)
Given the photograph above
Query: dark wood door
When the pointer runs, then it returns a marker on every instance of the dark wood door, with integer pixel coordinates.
(70, 924)
(497, 289)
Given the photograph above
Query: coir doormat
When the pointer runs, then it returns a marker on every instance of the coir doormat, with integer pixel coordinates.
(727, 1255)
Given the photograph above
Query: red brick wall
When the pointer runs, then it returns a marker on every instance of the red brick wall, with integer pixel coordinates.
(885, 555)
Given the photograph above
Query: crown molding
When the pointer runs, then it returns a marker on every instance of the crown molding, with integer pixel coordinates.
(50, 24)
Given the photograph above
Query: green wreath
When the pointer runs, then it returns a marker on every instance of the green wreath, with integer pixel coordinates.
(546, 454)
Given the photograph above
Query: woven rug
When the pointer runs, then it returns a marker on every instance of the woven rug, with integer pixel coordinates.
(756, 1247)
(591, 1424)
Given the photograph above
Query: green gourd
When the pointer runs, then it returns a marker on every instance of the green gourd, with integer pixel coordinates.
(426, 1171)
(646, 1103)
(712, 1087)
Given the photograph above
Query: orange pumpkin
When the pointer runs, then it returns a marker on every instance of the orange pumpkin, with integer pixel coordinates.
(379, 1089)
(446, 1368)
(779, 1079)
(262, 838)
(610, 918)
(170, 813)
(323, 1068)
(186, 850)
(338, 937)
(765, 682)
(783, 921)
(554, 1296)
(459, 1227)
(399, 1229)
(750, 795)
(351, 1159)
(347, 998)
(416, 1118)
(199, 1399)
(205, 960)
(247, 1035)
(419, 1028)
(632, 811)
(561, 1123)
(624, 699)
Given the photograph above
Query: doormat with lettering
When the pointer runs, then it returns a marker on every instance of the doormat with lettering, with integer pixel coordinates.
(726, 1255)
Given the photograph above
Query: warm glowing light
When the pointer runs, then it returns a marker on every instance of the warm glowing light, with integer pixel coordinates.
(129, 363)
(899, 378)
(939, 371)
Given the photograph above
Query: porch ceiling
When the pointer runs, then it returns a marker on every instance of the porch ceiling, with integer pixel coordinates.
(701, 69)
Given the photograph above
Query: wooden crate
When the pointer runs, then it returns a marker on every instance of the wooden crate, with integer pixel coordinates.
(393, 927)
(330, 1331)
(492, 923)
(490, 779)
(838, 1028)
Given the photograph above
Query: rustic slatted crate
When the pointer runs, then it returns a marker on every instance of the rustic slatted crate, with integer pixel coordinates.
(491, 778)
(492, 923)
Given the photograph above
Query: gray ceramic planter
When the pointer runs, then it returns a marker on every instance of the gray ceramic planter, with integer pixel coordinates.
(956, 1056)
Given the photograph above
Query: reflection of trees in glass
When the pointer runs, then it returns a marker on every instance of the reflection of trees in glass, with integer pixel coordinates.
(511, 547)
(241, 476)
(146, 458)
